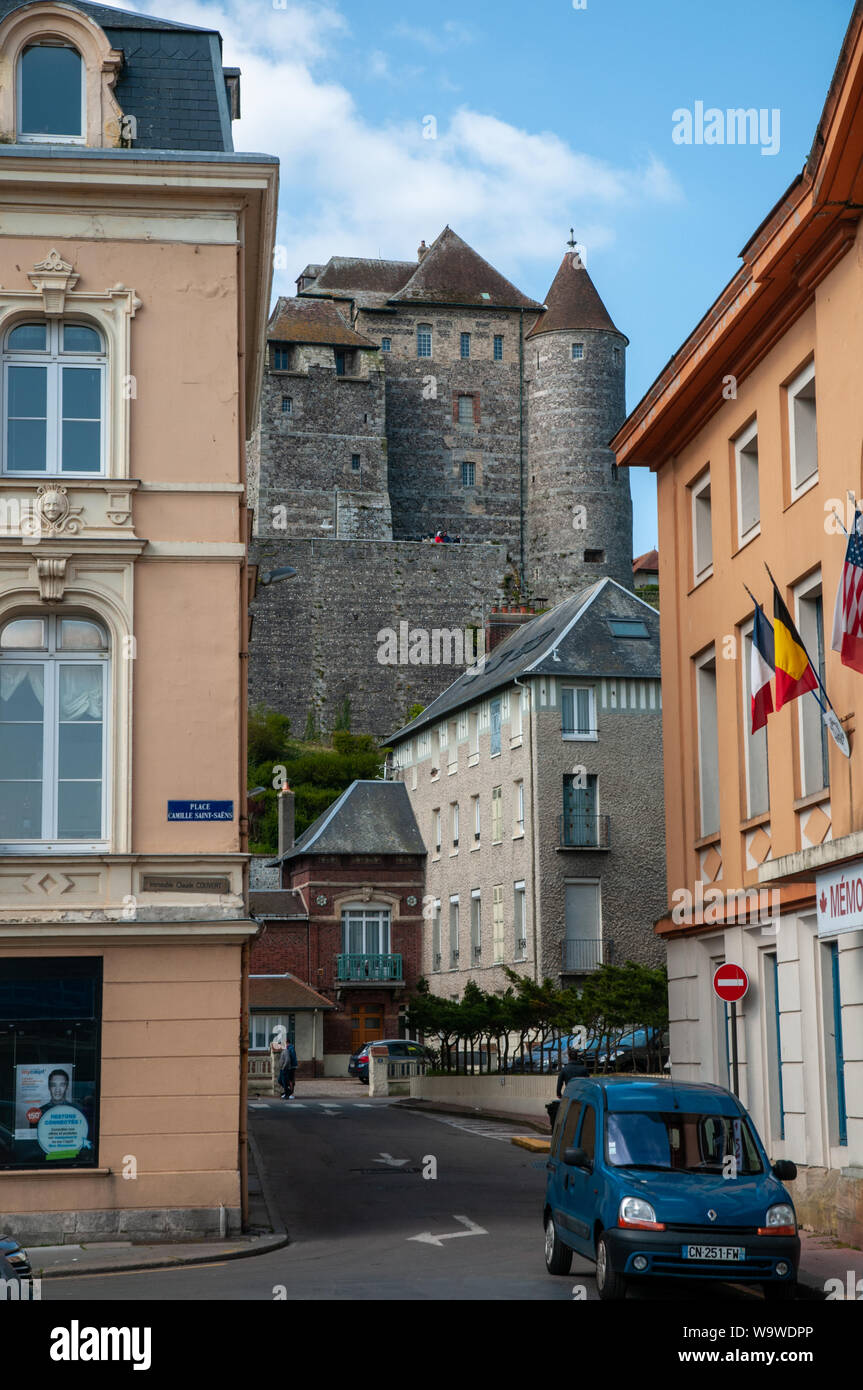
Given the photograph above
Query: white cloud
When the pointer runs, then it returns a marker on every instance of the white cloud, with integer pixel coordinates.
(350, 186)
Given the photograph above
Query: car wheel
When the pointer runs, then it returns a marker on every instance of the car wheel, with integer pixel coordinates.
(780, 1293)
(558, 1257)
(608, 1284)
(364, 1080)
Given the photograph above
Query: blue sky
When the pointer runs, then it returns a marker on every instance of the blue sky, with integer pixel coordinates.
(546, 116)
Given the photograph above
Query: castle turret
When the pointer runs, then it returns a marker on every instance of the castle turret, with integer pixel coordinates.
(579, 512)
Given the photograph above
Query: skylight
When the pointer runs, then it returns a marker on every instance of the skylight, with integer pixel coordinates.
(628, 627)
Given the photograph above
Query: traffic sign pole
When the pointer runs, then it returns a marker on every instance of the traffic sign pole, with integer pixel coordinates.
(735, 1076)
(730, 983)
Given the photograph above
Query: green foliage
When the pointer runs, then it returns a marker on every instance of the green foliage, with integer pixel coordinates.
(311, 733)
(343, 718)
(268, 735)
(414, 712)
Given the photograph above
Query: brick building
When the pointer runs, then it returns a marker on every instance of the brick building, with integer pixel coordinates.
(341, 946)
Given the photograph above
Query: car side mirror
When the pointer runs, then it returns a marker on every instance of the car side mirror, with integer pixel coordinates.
(576, 1158)
(785, 1170)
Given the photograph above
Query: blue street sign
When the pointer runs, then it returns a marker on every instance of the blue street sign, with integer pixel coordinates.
(200, 810)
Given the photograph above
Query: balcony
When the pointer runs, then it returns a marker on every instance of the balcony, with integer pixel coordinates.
(584, 832)
(366, 969)
(582, 955)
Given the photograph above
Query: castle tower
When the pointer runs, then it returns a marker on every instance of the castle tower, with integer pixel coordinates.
(579, 510)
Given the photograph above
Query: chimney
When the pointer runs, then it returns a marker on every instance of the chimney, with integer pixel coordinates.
(286, 820)
(503, 621)
(421, 250)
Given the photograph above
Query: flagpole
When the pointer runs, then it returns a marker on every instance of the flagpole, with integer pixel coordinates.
(805, 652)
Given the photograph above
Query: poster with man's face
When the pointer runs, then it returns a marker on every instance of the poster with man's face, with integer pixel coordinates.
(46, 1109)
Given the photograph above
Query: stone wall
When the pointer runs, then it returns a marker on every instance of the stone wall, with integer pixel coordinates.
(315, 637)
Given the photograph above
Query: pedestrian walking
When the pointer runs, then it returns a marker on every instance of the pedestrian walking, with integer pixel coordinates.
(574, 1067)
(288, 1071)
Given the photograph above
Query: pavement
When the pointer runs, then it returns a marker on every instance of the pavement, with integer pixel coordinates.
(822, 1258)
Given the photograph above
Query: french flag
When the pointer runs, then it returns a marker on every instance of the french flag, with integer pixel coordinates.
(761, 669)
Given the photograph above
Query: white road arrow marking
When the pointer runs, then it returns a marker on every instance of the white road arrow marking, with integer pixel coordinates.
(472, 1230)
(392, 1162)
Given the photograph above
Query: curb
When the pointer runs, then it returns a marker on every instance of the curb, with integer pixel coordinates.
(263, 1246)
(476, 1112)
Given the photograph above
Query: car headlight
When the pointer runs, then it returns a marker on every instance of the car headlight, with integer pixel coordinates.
(780, 1221)
(637, 1214)
(18, 1257)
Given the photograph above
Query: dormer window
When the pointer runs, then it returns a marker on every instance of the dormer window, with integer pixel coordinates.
(50, 94)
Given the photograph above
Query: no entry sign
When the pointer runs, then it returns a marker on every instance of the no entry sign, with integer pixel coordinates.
(730, 982)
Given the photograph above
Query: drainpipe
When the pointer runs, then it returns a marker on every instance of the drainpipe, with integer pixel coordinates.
(534, 844)
(521, 448)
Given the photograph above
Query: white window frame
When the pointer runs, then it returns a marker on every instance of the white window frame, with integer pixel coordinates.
(52, 361)
(51, 658)
(592, 735)
(743, 461)
(697, 490)
(518, 825)
(577, 352)
(794, 388)
(454, 931)
(425, 331)
(436, 829)
(271, 1022)
(701, 662)
(25, 138)
(476, 925)
(498, 928)
(497, 816)
(477, 815)
(453, 820)
(437, 947)
(519, 893)
(381, 911)
(749, 738)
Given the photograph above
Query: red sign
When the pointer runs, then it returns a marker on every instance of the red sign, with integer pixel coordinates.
(730, 982)
(34, 1115)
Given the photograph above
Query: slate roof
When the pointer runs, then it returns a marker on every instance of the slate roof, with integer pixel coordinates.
(451, 272)
(277, 904)
(572, 303)
(578, 631)
(313, 321)
(171, 80)
(370, 817)
(284, 993)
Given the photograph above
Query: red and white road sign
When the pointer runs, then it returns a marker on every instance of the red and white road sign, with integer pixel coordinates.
(730, 982)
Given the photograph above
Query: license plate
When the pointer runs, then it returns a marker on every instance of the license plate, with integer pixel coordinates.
(727, 1253)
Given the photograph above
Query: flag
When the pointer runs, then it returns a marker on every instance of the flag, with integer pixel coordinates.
(794, 673)
(761, 669)
(848, 613)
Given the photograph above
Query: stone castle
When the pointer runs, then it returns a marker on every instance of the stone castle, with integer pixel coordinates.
(401, 399)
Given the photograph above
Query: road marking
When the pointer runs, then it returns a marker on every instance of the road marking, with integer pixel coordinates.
(390, 1161)
(472, 1230)
(362, 1105)
(256, 1105)
(503, 1132)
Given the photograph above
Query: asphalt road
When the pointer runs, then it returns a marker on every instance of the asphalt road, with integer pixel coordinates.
(348, 1179)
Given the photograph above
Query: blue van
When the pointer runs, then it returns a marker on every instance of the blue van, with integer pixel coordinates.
(657, 1177)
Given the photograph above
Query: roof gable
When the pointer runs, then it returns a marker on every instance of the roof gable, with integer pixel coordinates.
(370, 817)
(313, 321)
(451, 272)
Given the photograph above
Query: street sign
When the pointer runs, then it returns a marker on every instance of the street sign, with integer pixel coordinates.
(200, 810)
(730, 982)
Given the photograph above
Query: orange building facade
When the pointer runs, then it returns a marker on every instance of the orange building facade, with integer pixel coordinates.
(755, 432)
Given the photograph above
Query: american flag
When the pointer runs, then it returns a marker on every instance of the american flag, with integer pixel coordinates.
(848, 614)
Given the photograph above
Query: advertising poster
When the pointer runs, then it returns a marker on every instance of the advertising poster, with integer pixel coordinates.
(45, 1108)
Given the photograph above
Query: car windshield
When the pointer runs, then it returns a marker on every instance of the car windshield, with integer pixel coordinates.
(681, 1142)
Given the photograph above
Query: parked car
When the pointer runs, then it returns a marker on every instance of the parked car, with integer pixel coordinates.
(634, 1051)
(653, 1178)
(358, 1064)
(14, 1261)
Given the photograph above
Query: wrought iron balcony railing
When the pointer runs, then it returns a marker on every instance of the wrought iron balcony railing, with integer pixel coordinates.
(364, 968)
(581, 954)
(584, 832)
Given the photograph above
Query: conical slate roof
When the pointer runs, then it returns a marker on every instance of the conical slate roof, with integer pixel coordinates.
(572, 302)
(451, 272)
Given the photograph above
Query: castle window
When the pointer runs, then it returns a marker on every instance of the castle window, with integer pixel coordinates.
(50, 93)
(281, 357)
(468, 475)
(386, 344)
(355, 462)
(615, 352)
(465, 345)
(54, 387)
(498, 347)
(287, 405)
(594, 557)
(424, 340)
(341, 362)
(465, 409)
(577, 351)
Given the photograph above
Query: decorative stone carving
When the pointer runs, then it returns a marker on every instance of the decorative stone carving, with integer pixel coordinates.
(51, 577)
(54, 513)
(119, 511)
(53, 278)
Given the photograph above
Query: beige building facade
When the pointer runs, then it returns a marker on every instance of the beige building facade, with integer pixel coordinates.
(134, 264)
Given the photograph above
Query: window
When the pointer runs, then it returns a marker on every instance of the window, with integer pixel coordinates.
(702, 534)
(628, 627)
(587, 1137)
(748, 505)
(615, 353)
(498, 347)
(53, 388)
(341, 359)
(578, 712)
(386, 344)
(517, 713)
(452, 746)
(583, 942)
(287, 405)
(465, 345)
(453, 932)
(281, 357)
(468, 475)
(494, 738)
(53, 683)
(577, 351)
(594, 557)
(518, 921)
(774, 1046)
(356, 463)
(814, 738)
(453, 818)
(50, 93)
(365, 930)
(476, 926)
(476, 819)
(519, 809)
(755, 748)
(580, 828)
(473, 744)
(50, 1044)
(265, 1028)
(497, 922)
(436, 830)
(496, 815)
(424, 340)
(436, 935)
(465, 411)
(708, 742)
(802, 432)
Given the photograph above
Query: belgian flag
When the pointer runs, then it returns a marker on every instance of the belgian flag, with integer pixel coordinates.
(794, 673)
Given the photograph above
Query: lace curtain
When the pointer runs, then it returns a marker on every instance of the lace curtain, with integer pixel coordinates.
(80, 687)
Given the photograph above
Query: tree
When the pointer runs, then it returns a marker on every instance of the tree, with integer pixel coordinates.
(310, 732)
(414, 712)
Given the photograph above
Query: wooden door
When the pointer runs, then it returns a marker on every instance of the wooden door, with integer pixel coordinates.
(368, 1025)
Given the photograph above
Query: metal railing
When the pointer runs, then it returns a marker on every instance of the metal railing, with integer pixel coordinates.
(581, 954)
(584, 832)
(369, 967)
